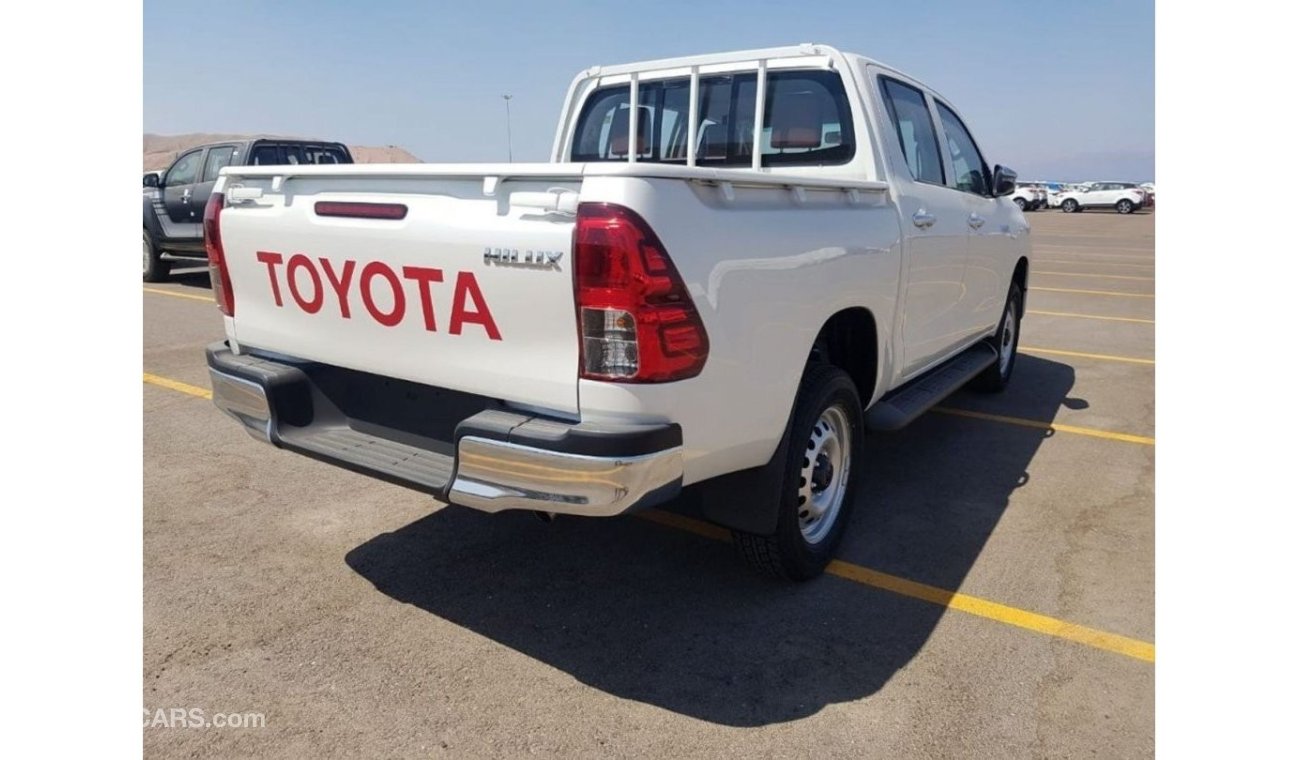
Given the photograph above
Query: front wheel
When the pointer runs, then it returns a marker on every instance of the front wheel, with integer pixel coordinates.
(823, 465)
(1005, 341)
(1069, 205)
(1125, 206)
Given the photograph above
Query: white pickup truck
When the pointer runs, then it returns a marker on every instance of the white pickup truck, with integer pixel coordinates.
(732, 268)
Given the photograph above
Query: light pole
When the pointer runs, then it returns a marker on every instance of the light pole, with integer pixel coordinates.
(510, 153)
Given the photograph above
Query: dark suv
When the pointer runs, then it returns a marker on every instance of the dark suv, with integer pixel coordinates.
(174, 199)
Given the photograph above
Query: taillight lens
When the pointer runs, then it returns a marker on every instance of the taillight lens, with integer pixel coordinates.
(636, 321)
(218, 273)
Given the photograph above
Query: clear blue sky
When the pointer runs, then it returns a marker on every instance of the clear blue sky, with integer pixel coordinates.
(1055, 90)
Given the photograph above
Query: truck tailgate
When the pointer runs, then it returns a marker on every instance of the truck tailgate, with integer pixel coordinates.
(464, 291)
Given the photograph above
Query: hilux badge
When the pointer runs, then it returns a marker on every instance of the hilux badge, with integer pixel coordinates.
(529, 259)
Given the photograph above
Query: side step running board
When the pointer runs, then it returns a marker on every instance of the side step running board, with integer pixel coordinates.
(898, 408)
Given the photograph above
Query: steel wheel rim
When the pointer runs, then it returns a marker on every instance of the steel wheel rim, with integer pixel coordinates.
(824, 476)
(1007, 342)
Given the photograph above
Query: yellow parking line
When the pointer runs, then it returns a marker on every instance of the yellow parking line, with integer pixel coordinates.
(177, 385)
(1052, 426)
(865, 576)
(972, 605)
(1091, 316)
(174, 294)
(1095, 263)
(1082, 355)
(1098, 251)
(1094, 292)
(1091, 274)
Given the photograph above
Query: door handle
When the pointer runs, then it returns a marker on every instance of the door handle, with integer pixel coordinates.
(976, 221)
(922, 219)
(185, 196)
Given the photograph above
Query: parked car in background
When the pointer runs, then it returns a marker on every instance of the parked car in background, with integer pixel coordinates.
(174, 198)
(726, 302)
(1053, 190)
(1029, 196)
(1150, 189)
(1123, 197)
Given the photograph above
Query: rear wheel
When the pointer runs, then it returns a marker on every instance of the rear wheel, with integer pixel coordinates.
(1069, 205)
(1021, 203)
(822, 469)
(1006, 340)
(1125, 206)
(155, 269)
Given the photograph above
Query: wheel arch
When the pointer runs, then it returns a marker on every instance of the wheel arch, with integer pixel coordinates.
(850, 340)
(748, 500)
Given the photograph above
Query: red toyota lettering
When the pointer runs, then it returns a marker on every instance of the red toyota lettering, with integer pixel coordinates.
(309, 305)
(467, 286)
(380, 269)
(340, 284)
(423, 276)
(272, 260)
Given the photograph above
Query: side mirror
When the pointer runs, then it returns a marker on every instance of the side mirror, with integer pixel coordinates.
(1004, 181)
(151, 179)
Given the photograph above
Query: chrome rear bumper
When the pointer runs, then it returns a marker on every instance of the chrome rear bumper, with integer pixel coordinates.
(495, 459)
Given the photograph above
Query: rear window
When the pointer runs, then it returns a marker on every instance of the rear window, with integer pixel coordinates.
(806, 121)
(297, 153)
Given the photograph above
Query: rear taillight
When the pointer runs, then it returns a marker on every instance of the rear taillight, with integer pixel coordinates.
(217, 271)
(636, 321)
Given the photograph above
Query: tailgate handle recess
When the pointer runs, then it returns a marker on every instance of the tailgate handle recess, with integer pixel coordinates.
(556, 200)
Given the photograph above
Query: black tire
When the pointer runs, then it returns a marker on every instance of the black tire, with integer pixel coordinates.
(155, 269)
(788, 553)
(1070, 206)
(1021, 203)
(1124, 206)
(995, 378)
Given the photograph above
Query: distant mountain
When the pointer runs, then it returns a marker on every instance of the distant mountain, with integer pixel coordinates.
(161, 150)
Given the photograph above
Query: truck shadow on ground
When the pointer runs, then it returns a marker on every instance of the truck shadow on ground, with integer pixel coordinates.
(668, 618)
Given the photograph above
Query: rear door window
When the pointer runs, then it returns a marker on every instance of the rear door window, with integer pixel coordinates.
(807, 121)
(915, 130)
(218, 159)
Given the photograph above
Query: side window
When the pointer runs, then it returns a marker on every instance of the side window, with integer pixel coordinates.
(186, 169)
(972, 176)
(218, 159)
(915, 130)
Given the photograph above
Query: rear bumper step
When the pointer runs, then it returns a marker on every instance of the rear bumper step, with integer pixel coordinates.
(463, 449)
